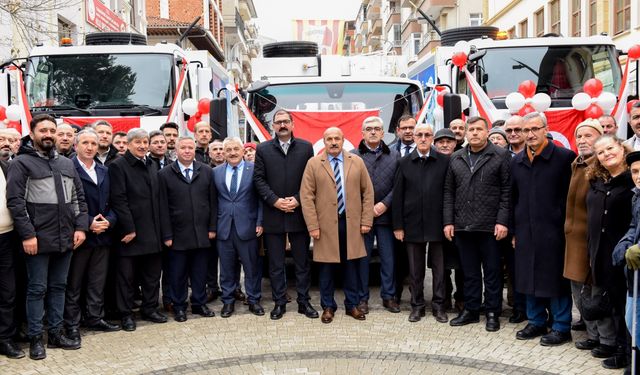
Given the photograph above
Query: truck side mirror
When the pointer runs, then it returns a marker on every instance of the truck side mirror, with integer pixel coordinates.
(218, 117)
(451, 108)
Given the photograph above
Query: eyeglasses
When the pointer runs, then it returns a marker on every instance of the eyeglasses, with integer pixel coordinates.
(370, 129)
(282, 122)
(407, 128)
(514, 130)
(423, 135)
(534, 129)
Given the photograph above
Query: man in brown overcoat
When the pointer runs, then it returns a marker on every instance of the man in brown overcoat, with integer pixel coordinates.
(337, 203)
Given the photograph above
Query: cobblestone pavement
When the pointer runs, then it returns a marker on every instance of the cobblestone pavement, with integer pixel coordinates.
(385, 343)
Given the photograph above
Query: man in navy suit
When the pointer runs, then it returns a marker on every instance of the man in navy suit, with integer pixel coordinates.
(238, 226)
(90, 261)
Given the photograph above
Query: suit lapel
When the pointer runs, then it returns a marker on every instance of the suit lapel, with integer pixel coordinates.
(327, 166)
(346, 164)
(245, 179)
(195, 173)
(100, 173)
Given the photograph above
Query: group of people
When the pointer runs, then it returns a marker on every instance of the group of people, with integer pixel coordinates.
(100, 220)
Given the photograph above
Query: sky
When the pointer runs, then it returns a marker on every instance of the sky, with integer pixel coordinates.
(275, 16)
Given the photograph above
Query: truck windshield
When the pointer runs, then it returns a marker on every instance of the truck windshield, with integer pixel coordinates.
(91, 81)
(559, 71)
(391, 99)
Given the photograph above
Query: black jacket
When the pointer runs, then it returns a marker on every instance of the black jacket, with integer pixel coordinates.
(202, 155)
(46, 199)
(475, 201)
(111, 156)
(417, 196)
(4, 166)
(188, 210)
(277, 175)
(134, 198)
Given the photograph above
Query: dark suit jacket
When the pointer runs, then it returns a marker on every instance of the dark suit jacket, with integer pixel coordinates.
(188, 209)
(244, 209)
(134, 198)
(5, 167)
(97, 198)
(278, 175)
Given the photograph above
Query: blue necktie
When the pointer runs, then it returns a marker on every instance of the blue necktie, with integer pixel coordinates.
(234, 181)
(339, 192)
(187, 174)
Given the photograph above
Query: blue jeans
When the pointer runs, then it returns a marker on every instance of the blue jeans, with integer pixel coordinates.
(384, 236)
(560, 311)
(46, 276)
(629, 317)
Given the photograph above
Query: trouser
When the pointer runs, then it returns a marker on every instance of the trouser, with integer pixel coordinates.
(87, 277)
(185, 265)
(519, 299)
(229, 251)
(560, 308)
(166, 277)
(349, 269)
(276, 244)
(7, 285)
(417, 255)
(383, 234)
(479, 254)
(401, 266)
(602, 330)
(147, 268)
(46, 277)
(212, 268)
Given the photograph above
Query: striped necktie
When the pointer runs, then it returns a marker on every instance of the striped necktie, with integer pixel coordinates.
(339, 191)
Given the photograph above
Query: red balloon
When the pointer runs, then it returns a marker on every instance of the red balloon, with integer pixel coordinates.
(440, 88)
(634, 52)
(593, 87)
(191, 124)
(527, 88)
(3, 113)
(204, 106)
(198, 116)
(593, 111)
(459, 59)
(630, 104)
(440, 99)
(528, 108)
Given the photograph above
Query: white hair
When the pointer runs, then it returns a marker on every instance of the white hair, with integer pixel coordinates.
(136, 133)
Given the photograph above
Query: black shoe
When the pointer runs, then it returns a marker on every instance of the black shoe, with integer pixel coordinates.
(203, 311)
(256, 309)
(104, 326)
(464, 318)
(154, 317)
(391, 305)
(227, 310)
(238, 295)
(36, 348)
(530, 332)
(603, 351)
(213, 294)
(416, 314)
(180, 316)
(579, 326)
(493, 322)
(73, 334)
(278, 311)
(587, 344)
(128, 324)
(618, 361)
(10, 349)
(440, 315)
(517, 316)
(307, 310)
(55, 339)
(555, 338)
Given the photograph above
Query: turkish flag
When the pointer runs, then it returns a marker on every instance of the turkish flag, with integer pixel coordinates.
(119, 124)
(562, 125)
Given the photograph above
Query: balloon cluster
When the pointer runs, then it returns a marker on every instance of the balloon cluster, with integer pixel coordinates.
(593, 101)
(195, 109)
(12, 116)
(526, 100)
(460, 54)
(438, 113)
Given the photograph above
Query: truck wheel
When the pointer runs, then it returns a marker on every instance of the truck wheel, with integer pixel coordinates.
(451, 36)
(290, 49)
(96, 39)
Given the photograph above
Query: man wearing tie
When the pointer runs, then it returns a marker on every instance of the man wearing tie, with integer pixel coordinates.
(239, 224)
(405, 143)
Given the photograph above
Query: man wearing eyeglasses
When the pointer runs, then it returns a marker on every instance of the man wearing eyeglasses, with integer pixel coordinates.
(405, 144)
(513, 127)
(540, 182)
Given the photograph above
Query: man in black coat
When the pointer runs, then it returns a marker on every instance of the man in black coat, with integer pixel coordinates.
(540, 181)
(188, 211)
(134, 198)
(417, 219)
(107, 153)
(476, 213)
(279, 166)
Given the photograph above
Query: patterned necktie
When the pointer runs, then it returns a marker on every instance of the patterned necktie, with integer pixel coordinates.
(407, 150)
(339, 192)
(234, 181)
(187, 174)
(285, 147)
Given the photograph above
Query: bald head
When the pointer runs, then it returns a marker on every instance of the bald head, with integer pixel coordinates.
(333, 141)
(65, 138)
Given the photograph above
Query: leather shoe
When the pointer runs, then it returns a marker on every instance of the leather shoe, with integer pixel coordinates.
(227, 310)
(493, 322)
(579, 325)
(256, 309)
(104, 326)
(555, 338)
(440, 315)
(587, 344)
(55, 339)
(364, 307)
(464, 318)
(603, 351)
(168, 307)
(517, 316)
(356, 314)
(530, 332)
(278, 311)
(128, 324)
(459, 306)
(154, 317)
(212, 295)
(416, 314)
(202, 311)
(180, 316)
(10, 349)
(36, 348)
(73, 334)
(391, 305)
(618, 361)
(327, 315)
(238, 295)
(307, 310)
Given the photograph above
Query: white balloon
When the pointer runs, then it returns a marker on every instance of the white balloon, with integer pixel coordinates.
(190, 106)
(465, 102)
(13, 112)
(541, 102)
(438, 115)
(462, 46)
(607, 101)
(581, 101)
(514, 101)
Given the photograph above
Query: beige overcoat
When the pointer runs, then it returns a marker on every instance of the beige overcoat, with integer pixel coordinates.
(320, 205)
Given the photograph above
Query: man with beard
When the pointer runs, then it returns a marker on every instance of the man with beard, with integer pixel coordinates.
(170, 131)
(106, 153)
(203, 135)
(65, 136)
(120, 142)
(44, 188)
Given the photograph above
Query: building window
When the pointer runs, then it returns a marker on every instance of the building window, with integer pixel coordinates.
(622, 15)
(475, 19)
(576, 14)
(443, 21)
(554, 9)
(512, 33)
(523, 28)
(65, 30)
(416, 38)
(539, 22)
(593, 17)
(397, 35)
